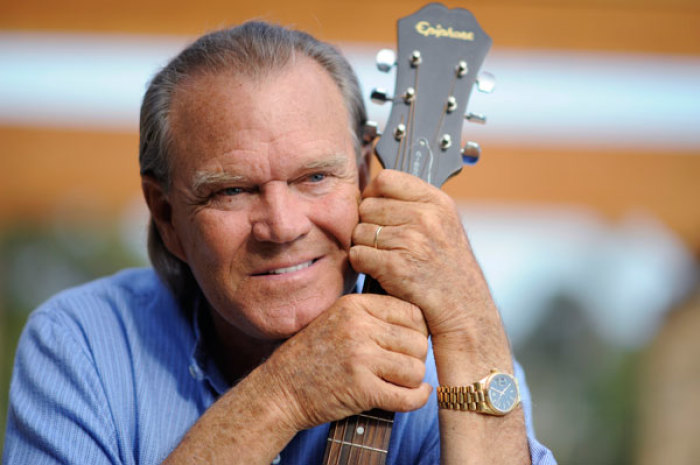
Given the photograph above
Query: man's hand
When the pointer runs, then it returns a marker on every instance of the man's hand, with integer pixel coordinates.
(422, 254)
(367, 351)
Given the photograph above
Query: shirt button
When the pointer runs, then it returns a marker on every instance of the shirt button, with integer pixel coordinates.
(195, 373)
(277, 460)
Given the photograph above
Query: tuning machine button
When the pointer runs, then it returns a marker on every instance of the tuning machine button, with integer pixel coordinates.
(400, 131)
(369, 132)
(485, 82)
(416, 58)
(471, 153)
(475, 118)
(379, 96)
(445, 142)
(386, 59)
(451, 104)
(462, 68)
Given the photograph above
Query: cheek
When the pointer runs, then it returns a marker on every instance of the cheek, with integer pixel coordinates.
(214, 237)
(339, 216)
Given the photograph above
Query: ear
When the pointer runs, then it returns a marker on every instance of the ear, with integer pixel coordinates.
(161, 214)
(364, 164)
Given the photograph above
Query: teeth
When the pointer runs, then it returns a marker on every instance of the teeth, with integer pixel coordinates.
(292, 268)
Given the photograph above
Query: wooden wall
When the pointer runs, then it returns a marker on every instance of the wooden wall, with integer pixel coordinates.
(96, 172)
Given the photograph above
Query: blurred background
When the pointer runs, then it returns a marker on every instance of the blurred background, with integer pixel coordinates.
(584, 209)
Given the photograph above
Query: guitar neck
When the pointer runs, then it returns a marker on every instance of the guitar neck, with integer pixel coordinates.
(362, 438)
(440, 52)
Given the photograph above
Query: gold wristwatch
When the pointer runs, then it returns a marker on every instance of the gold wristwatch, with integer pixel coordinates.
(496, 394)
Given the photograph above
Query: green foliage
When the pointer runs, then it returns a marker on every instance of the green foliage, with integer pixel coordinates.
(584, 389)
(39, 260)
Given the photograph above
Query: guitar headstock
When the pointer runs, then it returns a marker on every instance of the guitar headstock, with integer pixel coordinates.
(440, 51)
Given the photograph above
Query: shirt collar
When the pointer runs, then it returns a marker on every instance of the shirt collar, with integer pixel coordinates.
(202, 366)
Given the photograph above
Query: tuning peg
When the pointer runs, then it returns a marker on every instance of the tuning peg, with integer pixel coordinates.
(416, 58)
(475, 118)
(470, 153)
(386, 59)
(485, 82)
(369, 132)
(379, 96)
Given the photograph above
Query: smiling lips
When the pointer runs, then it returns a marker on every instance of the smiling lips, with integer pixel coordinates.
(289, 269)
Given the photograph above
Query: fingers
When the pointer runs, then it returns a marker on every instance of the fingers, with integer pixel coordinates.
(393, 212)
(399, 399)
(400, 340)
(391, 311)
(397, 185)
(400, 369)
(388, 237)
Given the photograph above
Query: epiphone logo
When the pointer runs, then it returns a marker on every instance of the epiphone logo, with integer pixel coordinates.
(424, 28)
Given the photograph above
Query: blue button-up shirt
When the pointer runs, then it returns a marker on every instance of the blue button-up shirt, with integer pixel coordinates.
(113, 372)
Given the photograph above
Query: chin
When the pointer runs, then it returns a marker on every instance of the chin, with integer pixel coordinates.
(288, 319)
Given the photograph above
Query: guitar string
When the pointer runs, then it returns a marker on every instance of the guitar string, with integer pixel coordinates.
(339, 448)
(363, 436)
(367, 433)
(375, 435)
(347, 441)
(356, 450)
(341, 433)
(402, 161)
(406, 147)
(350, 450)
(398, 160)
(350, 439)
(442, 119)
(367, 449)
(411, 124)
(385, 427)
(332, 447)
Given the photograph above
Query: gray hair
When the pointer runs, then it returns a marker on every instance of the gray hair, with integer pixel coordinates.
(251, 50)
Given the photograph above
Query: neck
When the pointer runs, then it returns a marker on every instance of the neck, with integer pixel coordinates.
(235, 353)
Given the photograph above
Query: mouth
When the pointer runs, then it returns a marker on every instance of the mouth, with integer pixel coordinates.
(288, 269)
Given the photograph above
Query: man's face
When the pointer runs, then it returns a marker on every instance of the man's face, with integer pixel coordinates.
(264, 195)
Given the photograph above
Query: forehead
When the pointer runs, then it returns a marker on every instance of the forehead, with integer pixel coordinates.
(293, 111)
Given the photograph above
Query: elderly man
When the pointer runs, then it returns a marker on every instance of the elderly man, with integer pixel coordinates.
(250, 339)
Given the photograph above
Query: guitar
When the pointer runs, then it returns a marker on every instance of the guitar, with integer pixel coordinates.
(440, 52)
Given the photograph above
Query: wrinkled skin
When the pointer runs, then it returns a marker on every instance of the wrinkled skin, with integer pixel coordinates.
(270, 211)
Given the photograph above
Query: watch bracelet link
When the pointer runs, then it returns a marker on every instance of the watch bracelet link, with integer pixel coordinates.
(462, 397)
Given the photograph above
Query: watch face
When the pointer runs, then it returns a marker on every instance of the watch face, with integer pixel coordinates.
(503, 393)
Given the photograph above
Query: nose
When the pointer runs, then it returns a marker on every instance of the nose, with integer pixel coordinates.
(281, 216)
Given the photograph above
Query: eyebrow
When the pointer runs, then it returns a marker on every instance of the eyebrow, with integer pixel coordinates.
(334, 161)
(204, 178)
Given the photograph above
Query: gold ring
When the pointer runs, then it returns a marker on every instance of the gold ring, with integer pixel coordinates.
(376, 236)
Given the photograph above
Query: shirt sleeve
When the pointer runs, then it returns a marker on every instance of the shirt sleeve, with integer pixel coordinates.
(539, 454)
(58, 413)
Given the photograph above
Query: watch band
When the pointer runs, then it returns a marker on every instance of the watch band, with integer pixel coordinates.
(462, 397)
(477, 397)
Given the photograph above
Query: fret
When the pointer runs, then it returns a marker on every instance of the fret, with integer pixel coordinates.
(372, 417)
(360, 439)
(361, 446)
(434, 78)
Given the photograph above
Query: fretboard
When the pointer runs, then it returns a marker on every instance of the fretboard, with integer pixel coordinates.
(360, 439)
(364, 438)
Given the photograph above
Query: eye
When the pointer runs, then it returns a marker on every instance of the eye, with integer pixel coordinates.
(231, 191)
(317, 177)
